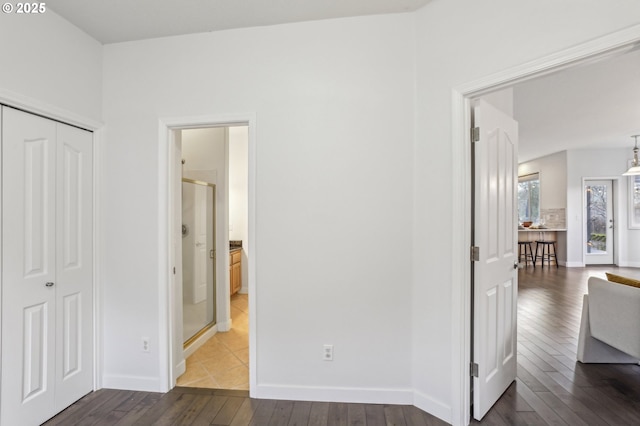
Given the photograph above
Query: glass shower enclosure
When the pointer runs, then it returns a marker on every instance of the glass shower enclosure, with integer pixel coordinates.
(198, 258)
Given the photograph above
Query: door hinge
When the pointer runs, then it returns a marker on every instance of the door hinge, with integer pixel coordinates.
(475, 253)
(475, 134)
(473, 369)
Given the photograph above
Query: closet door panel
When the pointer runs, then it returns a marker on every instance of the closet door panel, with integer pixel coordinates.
(28, 272)
(47, 274)
(74, 369)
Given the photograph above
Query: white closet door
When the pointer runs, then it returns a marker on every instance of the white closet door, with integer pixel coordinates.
(47, 268)
(74, 266)
(28, 260)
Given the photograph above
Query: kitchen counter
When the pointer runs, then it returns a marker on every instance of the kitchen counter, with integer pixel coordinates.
(536, 234)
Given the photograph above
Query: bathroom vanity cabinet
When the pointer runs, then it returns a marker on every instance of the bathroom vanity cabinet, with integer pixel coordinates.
(235, 270)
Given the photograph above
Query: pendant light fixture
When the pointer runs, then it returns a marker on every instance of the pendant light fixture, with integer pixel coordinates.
(635, 164)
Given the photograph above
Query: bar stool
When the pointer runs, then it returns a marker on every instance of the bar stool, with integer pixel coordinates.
(548, 252)
(524, 250)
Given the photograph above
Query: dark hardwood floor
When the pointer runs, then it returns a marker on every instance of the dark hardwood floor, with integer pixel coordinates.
(193, 406)
(551, 388)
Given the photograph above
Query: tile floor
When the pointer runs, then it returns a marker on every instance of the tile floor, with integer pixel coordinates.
(223, 361)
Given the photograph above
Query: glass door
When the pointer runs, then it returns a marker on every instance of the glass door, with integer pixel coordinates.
(599, 224)
(198, 258)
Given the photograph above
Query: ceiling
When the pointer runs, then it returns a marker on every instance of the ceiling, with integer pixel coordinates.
(592, 106)
(596, 105)
(113, 21)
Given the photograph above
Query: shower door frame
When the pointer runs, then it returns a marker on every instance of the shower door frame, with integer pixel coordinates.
(212, 259)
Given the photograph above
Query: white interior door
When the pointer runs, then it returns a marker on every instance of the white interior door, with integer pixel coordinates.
(495, 274)
(599, 224)
(47, 300)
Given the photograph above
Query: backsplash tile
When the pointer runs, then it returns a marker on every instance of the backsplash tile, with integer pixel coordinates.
(554, 218)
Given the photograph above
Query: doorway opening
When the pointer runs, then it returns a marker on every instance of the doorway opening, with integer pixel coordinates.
(210, 229)
(463, 97)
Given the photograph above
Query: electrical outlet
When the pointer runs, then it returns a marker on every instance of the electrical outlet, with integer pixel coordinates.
(145, 344)
(327, 353)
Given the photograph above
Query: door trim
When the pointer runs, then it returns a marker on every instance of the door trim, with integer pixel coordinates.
(167, 303)
(611, 44)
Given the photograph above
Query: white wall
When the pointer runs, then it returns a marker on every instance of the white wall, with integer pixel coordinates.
(204, 155)
(47, 60)
(239, 193)
(342, 175)
(501, 99)
(553, 179)
(600, 163)
(459, 42)
(333, 102)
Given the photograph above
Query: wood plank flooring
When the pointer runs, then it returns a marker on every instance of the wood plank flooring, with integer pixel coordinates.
(551, 388)
(198, 406)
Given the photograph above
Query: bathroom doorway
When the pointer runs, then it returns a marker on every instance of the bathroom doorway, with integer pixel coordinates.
(215, 247)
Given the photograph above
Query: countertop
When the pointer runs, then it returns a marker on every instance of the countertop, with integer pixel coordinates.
(542, 229)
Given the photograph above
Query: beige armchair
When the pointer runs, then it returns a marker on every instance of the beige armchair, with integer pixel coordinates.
(610, 326)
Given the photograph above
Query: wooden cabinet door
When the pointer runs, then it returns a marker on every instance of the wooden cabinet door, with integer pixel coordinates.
(236, 277)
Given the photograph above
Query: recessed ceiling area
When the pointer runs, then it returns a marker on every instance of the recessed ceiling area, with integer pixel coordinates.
(127, 20)
(590, 106)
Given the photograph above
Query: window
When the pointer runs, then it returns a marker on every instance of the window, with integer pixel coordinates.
(529, 198)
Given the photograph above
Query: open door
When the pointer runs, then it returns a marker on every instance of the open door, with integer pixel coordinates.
(495, 277)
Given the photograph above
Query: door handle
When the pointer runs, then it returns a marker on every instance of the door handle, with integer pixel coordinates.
(515, 265)
(49, 284)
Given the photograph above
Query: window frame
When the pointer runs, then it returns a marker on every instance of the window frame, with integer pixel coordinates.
(528, 178)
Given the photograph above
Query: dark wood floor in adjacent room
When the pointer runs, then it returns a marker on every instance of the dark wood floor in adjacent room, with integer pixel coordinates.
(551, 388)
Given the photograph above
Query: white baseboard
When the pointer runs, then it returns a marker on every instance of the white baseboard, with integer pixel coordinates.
(574, 264)
(224, 325)
(627, 264)
(326, 394)
(134, 383)
(181, 368)
(432, 406)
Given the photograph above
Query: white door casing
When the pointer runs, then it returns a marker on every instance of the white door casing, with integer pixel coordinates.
(47, 255)
(177, 364)
(495, 274)
(599, 195)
